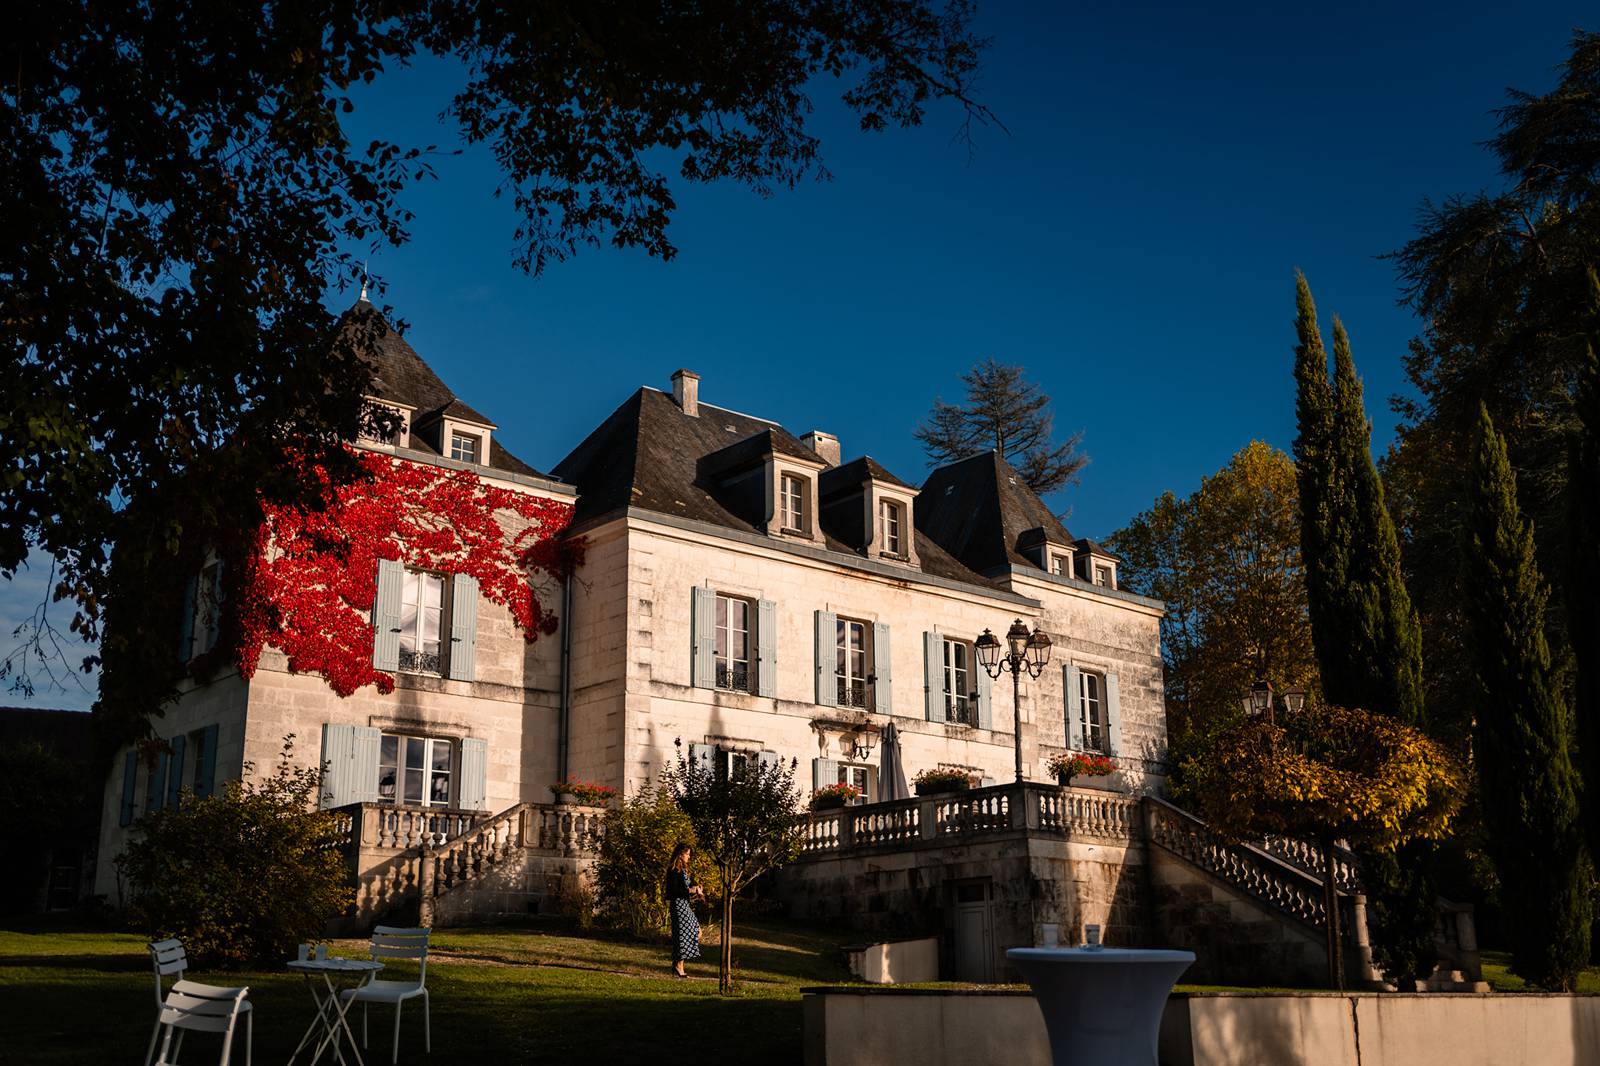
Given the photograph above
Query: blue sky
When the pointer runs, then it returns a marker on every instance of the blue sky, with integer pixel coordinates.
(1131, 241)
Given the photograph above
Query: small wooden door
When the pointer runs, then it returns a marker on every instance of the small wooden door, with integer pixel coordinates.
(974, 933)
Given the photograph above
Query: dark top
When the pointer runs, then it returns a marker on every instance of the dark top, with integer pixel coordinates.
(677, 885)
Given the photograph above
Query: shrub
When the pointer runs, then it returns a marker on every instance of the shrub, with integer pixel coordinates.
(244, 875)
(634, 852)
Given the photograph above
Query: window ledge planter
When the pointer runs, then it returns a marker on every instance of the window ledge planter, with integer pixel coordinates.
(1089, 769)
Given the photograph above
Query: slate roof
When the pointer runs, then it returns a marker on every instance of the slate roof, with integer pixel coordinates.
(399, 374)
(1096, 548)
(855, 473)
(981, 510)
(649, 454)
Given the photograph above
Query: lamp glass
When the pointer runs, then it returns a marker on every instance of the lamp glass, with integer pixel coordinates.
(1039, 648)
(1260, 698)
(1017, 637)
(1294, 700)
(988, 646)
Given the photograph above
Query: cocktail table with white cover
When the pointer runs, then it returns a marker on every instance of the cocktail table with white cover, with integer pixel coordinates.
(330, 1012)
(1102, 1007)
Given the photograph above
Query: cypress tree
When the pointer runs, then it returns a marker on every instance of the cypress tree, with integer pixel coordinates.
(1368, 643)
(1527, 784)
(1583, 572)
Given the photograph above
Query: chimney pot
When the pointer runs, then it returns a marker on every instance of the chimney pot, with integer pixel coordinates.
(686, 392)
(824, 444)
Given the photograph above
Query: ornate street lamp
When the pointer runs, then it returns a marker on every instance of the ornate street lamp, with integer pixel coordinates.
(1294, 700)
(1027, 652)
(1258, 704)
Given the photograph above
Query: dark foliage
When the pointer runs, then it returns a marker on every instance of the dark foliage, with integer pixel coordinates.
(1527, 786)
(1583, 575)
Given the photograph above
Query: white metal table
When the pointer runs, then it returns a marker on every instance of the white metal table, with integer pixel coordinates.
(330, 1026)
(1101, 1006)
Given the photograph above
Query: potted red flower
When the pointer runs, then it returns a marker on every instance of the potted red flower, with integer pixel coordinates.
(941, 779)
(583, 793)
(832, 797)
(1080, 764)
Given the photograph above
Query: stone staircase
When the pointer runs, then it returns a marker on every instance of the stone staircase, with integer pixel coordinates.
(447, 867)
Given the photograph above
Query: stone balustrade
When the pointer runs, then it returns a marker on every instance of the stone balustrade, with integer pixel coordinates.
(951, 817)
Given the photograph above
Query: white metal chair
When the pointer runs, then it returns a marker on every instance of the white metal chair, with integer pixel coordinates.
(169, 960)
(389, 942)
(204, 1008)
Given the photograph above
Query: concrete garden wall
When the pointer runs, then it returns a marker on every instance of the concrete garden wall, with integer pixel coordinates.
(876, 1027)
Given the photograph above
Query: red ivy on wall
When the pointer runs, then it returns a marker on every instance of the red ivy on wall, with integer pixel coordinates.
(311, 577)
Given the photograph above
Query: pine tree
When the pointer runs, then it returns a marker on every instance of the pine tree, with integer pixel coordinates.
(1365, 632)
(1583, 573)
(1008, 414)
(1527, 784)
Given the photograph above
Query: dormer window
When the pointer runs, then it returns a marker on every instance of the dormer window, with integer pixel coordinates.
(465, 448)
(1059, 565)
(792, 504)
(890, 518)
(1102, 576)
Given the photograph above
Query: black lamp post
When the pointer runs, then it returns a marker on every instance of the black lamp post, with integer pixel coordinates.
(1026, 651)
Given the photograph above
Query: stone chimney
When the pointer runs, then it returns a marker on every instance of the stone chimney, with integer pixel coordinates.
(686, 391)
(824, 444)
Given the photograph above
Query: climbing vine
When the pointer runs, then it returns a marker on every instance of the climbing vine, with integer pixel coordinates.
(309, 578)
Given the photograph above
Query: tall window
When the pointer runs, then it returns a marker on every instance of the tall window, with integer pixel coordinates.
(859, 776)
(1091, 710)
(207, 608)
(792, 503)
(421, 614)
(733, 643)
(960, 698)
(889, 527)
(730, 764)
(464, 447)
(850, 663)
(414, 771)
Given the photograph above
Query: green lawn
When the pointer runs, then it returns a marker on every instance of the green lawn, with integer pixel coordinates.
(500, 995)
(1497, 971)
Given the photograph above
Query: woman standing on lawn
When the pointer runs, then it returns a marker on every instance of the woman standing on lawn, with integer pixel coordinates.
(680, 890)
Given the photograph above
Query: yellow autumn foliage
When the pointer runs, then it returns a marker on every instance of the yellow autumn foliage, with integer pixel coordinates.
(1336, 772)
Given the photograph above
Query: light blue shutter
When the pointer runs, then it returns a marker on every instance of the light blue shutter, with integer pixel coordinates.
(1069, 674)
(824, 772)
(473, 793)
(827, 648)
(130, 784)
(369, 743)
(933, 676)
(767, 648)
(350, 764)
(985, 695)
(703, 623)
(206, 783)
(156, 793)
(463, 627)
(882, 690)
(175, 772)
(186, 620)
(1113, 715)
(386, 615)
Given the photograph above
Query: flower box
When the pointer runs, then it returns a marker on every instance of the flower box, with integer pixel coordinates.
(934, 782)
(827, 803)
(1081, 764)
(582, 793)
(834, 797)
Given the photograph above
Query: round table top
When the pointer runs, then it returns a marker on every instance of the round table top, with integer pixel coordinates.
(1100, 955)
(334, 965)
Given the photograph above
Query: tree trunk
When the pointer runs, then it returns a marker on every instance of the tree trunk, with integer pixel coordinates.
(1330, 900)
(725, 962)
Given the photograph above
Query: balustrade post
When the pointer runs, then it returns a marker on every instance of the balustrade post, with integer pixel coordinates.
(846, 830)
(928, 818)
(1022, 814)
(425, 890)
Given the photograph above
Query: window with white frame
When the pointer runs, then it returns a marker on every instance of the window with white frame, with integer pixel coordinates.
(733, 643)
(465, 447)
(1058, 564)
(1102, 576)
(730, 764)
(889, 523)
(414, 771)
(852, 663)
(960, 693)
(859, 776)
(1091, 710)
(792, 503)
(421, 621)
